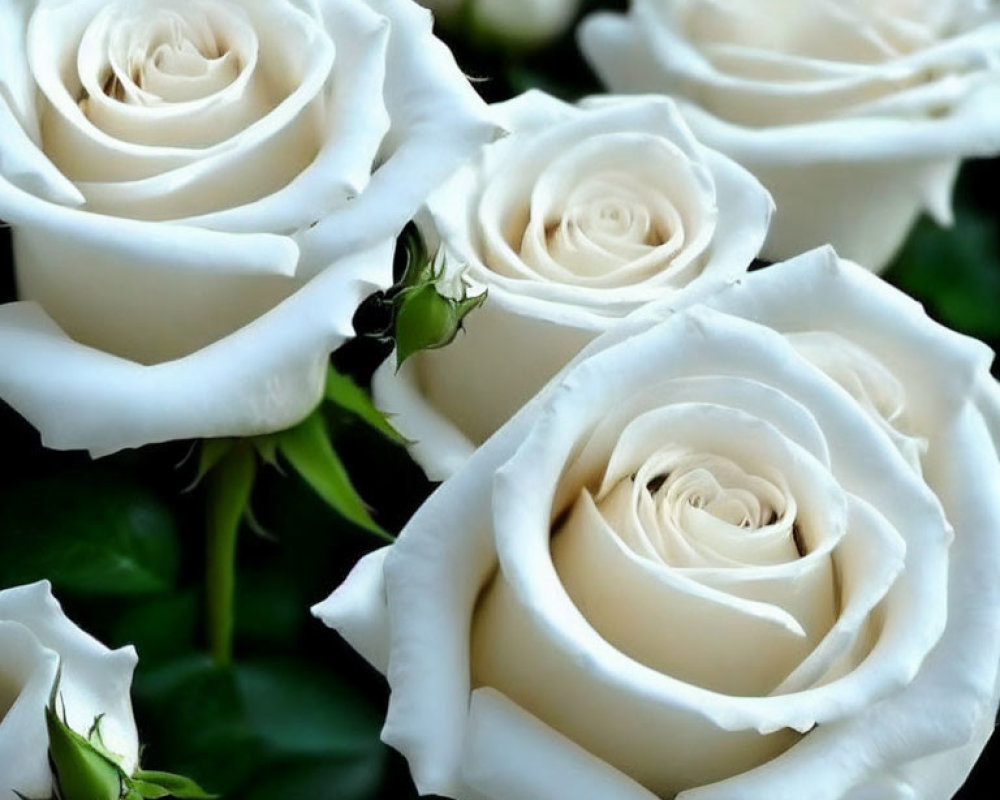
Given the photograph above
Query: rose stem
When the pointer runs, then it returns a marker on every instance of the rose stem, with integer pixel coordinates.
(228, 487)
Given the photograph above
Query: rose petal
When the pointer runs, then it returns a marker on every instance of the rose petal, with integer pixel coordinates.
(869, 560)
(21, 160)
(24, 165)
(27, 675)
(549, 765)
(265, 377)
(437, 445)
(358, 612)
(494, 337)
(148, 292)
(884, 136)
(835, 295)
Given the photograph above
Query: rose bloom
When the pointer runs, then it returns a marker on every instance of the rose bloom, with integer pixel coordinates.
(854, 114)
(201, 192)
(37, 644)
(748, 549)
(577, 218)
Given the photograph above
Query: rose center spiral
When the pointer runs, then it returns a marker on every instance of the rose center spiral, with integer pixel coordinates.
(169, 57)
(701, 510)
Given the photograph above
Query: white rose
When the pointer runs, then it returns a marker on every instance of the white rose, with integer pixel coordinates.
(514, 23)
(697, 564)
(577, 218)
(853, 113)
(201, 192)
(36, 642)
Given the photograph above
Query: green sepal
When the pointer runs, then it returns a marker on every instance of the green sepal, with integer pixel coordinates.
(212, 452)
(152, 784)
(346, 394)
(307, 448)
(81, 770)
(267, 448)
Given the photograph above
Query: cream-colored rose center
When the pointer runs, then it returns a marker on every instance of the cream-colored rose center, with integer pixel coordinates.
(684, 546)
(170, 59)
(146, 101)
(607, 221)
(179, 75)
(610, 211)
(698, 510)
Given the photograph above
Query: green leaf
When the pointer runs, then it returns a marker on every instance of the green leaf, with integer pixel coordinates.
(82, 772)
(194, 721)
(319, 778)
(173, 785)
(160, 627)
(148, 791)
(91, 532)
(321, 736)
(346, 394)
(270, 610)
(235, 729)
(955, 272)
(308, 449)
(300, 711)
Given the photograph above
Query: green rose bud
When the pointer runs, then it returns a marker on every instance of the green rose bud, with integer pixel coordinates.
(428, 319)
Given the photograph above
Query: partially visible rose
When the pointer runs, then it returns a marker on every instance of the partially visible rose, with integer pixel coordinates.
(855, 115)
(517, 24)
(577, 218)
(201, 192)
(702, 563)
(37, 644)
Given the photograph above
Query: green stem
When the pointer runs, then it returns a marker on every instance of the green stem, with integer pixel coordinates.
(228, 487)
